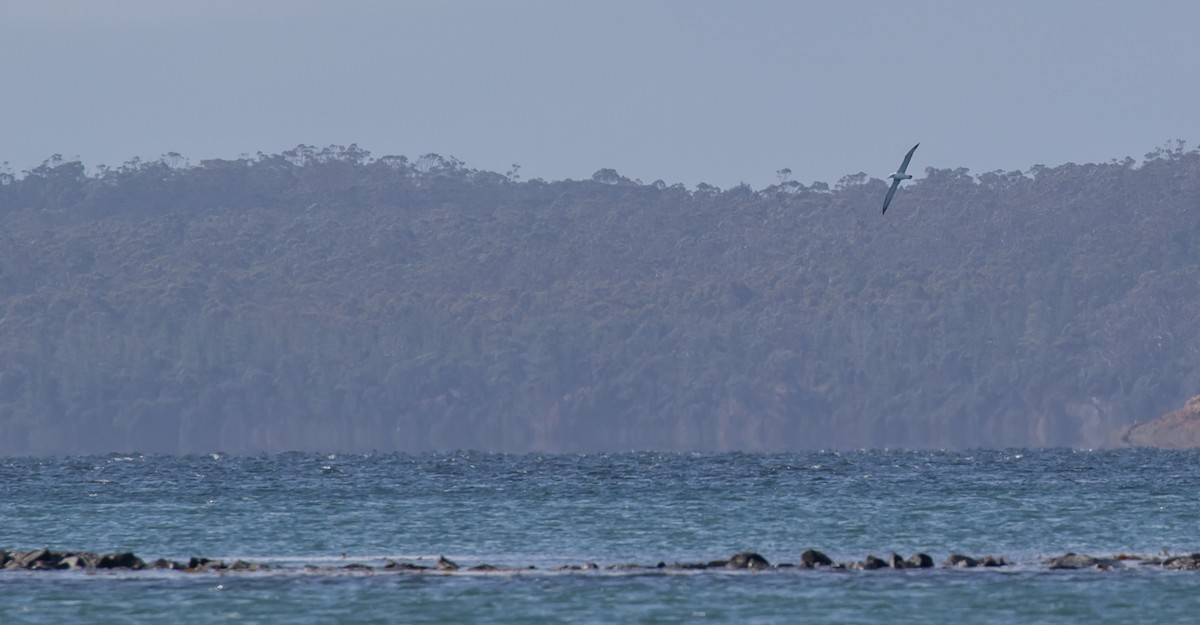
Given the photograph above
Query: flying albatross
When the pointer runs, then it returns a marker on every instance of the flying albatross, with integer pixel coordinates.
(897, 176)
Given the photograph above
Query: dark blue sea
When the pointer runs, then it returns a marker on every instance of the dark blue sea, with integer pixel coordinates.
(307, 516)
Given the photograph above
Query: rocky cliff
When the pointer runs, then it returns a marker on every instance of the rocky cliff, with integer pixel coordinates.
(1179, 429)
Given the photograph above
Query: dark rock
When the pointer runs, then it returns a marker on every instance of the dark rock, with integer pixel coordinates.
(1183, 563)
(483, 567)
(170, 565)
(445, 564)
(204, 564)
(919, 561)
(590, 566)
(872, 563)
(124, 560)
(197, 564)
(992, 561)
(404, 566)
(38, 558)
(895, 561)
(1078, 561)
(959, 561)
(693, 566)
(1070, 561)
(76, 561)
(353, 566)
(747, 560)
(812, 558)
(716, 564)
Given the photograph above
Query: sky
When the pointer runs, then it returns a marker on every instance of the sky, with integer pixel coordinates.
(686, 92)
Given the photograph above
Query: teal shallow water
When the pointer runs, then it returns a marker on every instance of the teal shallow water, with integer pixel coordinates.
(934, 596)
(547, 511)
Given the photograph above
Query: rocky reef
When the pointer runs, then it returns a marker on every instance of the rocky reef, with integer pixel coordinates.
(50, 560)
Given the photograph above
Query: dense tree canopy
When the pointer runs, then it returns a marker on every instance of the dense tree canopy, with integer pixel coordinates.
(328, 299)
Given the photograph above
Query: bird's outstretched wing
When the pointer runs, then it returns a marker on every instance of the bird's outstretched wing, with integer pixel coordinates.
(892, 191)
(904, 165)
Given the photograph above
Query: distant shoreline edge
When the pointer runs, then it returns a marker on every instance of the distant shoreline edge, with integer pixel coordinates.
(1178, 429)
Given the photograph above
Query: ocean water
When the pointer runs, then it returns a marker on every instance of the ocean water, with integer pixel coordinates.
(326, 511)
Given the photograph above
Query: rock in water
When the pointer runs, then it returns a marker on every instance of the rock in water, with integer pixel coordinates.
(811, 558)
(1077, 561)
(404, 566)
(695, 566)
(124, 560)
(36, 559)
(1183, 563)
(20, 560)
(72, 562)
(919, 561)
(204, 564)
(959, 561)
(747, 560)
(872, 563)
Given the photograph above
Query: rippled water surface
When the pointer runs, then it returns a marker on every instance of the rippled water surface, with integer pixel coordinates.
(329, 510)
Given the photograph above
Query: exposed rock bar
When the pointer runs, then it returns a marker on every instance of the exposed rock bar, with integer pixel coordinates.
(49, 560)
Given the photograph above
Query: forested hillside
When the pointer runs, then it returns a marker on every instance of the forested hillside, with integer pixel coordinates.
(326, 299)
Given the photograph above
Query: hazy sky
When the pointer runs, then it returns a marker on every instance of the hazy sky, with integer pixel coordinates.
(683, 91)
